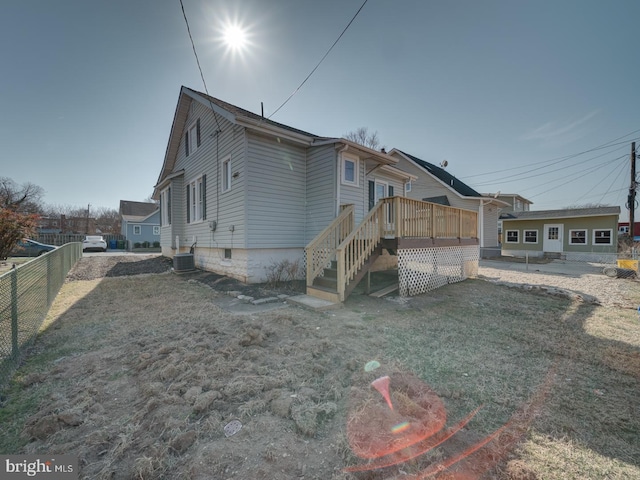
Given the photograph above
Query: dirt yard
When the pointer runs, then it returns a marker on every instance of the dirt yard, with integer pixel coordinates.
(165, 376)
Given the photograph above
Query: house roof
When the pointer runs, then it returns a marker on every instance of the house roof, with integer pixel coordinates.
(563, 213)
(136, 209)
(245, 118)
(241, 112)
(440, 173)
(508, 195)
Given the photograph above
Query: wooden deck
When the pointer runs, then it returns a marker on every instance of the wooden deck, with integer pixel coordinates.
(342, 253)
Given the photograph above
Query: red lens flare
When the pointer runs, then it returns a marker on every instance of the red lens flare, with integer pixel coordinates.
(410, 422)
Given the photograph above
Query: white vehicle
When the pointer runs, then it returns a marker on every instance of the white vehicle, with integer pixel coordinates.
(94, 242)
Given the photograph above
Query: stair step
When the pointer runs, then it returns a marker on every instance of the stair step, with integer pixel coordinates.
(330, 273)
(331, 283)
(323, 293)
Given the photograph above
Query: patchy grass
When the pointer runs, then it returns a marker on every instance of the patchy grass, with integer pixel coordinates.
(138, 376)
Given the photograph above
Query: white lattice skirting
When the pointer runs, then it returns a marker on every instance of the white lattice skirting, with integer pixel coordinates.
(424, 269)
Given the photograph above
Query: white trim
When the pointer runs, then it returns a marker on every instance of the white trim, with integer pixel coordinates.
(139, 229)
(595, 230)
(506, 236)
(385, 184)
(165, 206)
(156, 230)
(195, 199)
(225, 174)
(356, 170)
(192, 130)
(586, 238)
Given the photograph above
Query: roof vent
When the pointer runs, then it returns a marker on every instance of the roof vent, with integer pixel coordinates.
(183, 262)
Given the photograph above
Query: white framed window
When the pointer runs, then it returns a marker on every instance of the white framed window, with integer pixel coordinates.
(603, 237)
(577, 237)
(195, 200)
(350, 170)
(137, 230)
(513, 236)
(165, 207)
(192, 138)
(530, 236)
(226, 174)
(407, 188)
(156, 230)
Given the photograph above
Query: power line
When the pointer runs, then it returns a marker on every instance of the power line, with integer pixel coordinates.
(318, 64)
(195, 53)
(513, 177)
(559, 159)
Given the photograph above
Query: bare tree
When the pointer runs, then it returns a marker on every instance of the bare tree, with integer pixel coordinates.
(107, 219)
(25, 198)
(363, 137)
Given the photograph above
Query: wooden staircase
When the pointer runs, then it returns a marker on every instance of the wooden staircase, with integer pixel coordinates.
(326, 285)
(342, 254)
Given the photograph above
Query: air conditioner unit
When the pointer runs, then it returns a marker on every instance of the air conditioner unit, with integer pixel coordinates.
(183, 262)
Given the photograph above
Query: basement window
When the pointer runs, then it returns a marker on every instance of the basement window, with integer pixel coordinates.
(227, 253)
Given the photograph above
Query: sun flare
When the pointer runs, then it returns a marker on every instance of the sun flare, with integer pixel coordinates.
(235, 37)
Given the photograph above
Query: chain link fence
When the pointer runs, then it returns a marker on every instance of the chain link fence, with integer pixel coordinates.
(620, 265)
(26, 293)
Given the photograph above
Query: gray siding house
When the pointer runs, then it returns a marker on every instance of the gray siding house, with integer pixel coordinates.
(246, 192)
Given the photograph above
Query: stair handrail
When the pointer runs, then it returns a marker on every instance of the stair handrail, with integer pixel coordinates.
(356, 248)
(322, 249)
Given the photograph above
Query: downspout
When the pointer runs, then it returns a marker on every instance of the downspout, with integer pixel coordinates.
(339, 177)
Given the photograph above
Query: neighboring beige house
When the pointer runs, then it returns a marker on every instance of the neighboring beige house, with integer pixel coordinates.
(578, 233)
(435, 184)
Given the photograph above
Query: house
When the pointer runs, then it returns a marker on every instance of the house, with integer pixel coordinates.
(67, 225)
(245, 193)
(140, 222)
(516, 203)
(578, 233)
(623, 229)
(435, 184)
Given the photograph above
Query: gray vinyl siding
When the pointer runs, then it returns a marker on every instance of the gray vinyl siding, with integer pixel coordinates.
(225, 208)
(490, 225)
(275, 193)
(321, 189)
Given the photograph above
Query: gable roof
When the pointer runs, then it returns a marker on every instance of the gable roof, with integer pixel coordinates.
(444, 176)
(563, 213)
(239, 116)
(137, 209)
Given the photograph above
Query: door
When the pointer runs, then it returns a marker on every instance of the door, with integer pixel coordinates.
(552, 241)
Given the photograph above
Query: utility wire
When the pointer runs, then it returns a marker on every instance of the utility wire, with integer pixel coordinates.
(513, 176)
(560, 159)
(195, 53)
(318, 64)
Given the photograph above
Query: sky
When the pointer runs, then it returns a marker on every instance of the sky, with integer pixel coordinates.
(538, 98)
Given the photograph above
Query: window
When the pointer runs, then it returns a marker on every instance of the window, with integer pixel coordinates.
(553, 233)
(530, 236)
(512, 236)
(227, 253)
(350, 170)
(165, 207)
(192, 138)
(137, 230)
(577, 237)
(407, 187)
(226, 175)
(156, 230)
(603, 237)
(196, 195)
